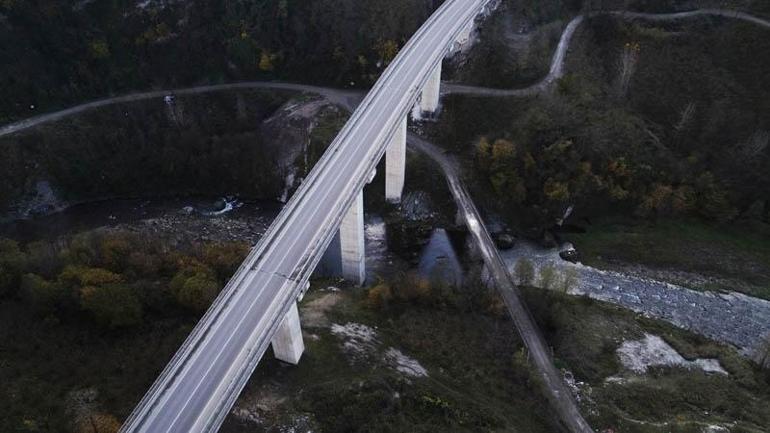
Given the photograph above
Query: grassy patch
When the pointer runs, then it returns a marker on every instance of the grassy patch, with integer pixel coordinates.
(472, 384)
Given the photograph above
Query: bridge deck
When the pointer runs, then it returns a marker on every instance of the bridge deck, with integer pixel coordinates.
(198, 387)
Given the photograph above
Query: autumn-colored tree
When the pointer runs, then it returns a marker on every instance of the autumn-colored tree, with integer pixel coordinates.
(195, 286)
(525, 272)
(114, 305)
(98, 423)
(43, 295)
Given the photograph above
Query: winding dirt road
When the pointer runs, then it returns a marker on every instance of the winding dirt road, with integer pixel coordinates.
(557, 62)
(349, 98)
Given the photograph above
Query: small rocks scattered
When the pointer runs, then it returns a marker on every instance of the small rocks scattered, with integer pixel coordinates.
(653, 351)
(404, 364)
(361, 343)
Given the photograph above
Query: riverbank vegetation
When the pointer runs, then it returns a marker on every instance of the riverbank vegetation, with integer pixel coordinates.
(99, 313)
(107, 310)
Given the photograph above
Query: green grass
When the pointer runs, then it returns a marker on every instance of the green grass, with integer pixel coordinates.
(733, 252)
(585, 335)
(43, 360)
(472, 386)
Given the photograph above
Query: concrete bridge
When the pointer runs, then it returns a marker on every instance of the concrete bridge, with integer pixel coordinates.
(258, 307)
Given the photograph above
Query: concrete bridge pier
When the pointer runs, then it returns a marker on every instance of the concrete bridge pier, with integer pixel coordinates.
(430, 94)
(395, 164)
(352, 242)
(287, 342)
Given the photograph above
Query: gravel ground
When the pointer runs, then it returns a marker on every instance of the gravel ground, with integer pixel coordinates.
(728, 317)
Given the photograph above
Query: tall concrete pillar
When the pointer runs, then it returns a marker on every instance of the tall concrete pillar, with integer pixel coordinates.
(430, 94)
(395, 165)
(352, 242)
(287, 342)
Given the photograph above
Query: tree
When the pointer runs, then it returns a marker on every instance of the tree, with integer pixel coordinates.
(98, 423)
(525, 272)
(43, 295)
(12, 263)
(266, 62)
(195, 286)
(547, 276)
(225, 257)
(114, 305)
(569, 280)
(629, 58)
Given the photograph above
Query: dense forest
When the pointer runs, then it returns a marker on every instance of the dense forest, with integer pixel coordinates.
(651, 120)
(56, 53)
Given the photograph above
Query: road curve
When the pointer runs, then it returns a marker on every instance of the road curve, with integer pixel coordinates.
(199, 386)
(556, 70)
(345, 98)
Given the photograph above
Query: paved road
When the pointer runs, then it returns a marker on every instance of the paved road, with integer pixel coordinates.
(200, 384)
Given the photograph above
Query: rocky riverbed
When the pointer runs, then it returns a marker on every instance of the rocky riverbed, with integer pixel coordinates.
(728, 317)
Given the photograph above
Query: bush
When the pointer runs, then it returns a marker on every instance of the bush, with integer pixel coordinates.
(98, 423)
(379, 296)
(114, 305)
(195, 287)
(525, 272)
(225, 258)
(43, 258)
(81, 276)
(12, 264)
(115, 249)
(43, 295)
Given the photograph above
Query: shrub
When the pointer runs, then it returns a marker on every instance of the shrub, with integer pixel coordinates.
(12, 264)
(98, 423)
(379, 296)
(114, 305)
(525, 272)
(225, 257)
(43, 258)
(144, 263)
(41, 294)
(412, 288)
(195, 287)
(81, 276)
(115, 249)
